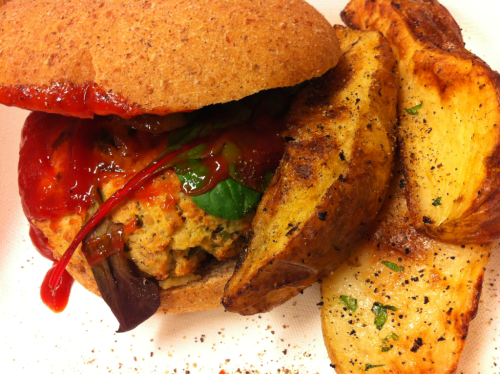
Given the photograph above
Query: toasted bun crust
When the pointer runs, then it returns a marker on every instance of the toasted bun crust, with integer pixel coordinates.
(162, 56)
(203, 294)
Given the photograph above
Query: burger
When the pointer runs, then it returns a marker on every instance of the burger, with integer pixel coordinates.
(156, 129)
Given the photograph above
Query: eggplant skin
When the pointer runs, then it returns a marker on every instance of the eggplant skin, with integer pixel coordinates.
(451, 148)
(331, 181)
(436, 293)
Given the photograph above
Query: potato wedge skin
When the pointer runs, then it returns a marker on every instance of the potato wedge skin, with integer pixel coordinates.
(451, 148)
(331, 181)
(436, 293)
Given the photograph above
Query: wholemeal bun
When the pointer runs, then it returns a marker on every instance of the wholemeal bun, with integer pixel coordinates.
(202, 294)
(158, 57)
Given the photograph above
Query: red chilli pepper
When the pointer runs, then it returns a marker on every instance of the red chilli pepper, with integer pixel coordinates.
(129, 187)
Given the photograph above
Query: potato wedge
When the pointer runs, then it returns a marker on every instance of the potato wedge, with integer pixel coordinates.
(331, 181)
(451, 144)
(435, 287)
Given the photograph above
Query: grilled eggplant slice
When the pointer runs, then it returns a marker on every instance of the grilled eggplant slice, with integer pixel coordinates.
(429, 291)
(331, 181)
(449, 106)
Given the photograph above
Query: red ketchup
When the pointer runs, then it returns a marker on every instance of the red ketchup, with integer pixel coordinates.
(40, 242)
(58, 299)
(63, 160)
(81, 101)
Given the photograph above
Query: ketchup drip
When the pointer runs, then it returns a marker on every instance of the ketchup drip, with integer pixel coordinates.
(83, 101)
(56, 299)
(40, 242)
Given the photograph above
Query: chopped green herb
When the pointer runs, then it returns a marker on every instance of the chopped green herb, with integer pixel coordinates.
(349, 302)
(393, 266)
(437, 202)
(392, 336)
(414, 111)
(370, 366)
(380, 312)
(385, 347)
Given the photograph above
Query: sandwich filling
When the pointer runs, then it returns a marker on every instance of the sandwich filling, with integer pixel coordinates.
(197, 207)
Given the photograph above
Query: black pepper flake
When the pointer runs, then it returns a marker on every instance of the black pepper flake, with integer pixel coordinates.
(402, 183)
(441, 339)
(341, 155)
(320, 303)
(426, 299)
(322, 216)
(342, 179)
(417, 343)
(426, 220)
(407, 250)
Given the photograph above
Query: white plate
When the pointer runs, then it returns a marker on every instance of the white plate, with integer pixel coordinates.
(82, 339)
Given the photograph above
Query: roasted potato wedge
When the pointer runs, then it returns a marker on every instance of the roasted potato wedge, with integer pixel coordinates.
(331, 181)
(435, 287)
(449, 107)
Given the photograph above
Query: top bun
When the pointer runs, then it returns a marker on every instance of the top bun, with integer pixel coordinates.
(156, 57)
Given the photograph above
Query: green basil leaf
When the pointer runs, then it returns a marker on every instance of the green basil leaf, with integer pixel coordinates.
(386, 349)
(228, 200)
(391, 308)
(349, 302)
(437, 202)
(393, 266)
(370, 366)
(414, 111)
(195, 177)
(195, 152)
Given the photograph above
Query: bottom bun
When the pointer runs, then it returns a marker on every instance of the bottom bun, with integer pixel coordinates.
(202, 294)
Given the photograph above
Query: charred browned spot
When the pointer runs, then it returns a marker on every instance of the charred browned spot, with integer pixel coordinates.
(493, 161)
(478, 287)
(432, 24)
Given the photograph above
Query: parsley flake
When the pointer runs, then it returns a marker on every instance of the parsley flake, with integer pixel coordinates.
(370, 366)
(392, 336)
(414, 111)
(380, 312)
(349, 302)
(437, 202)
(393, 266)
